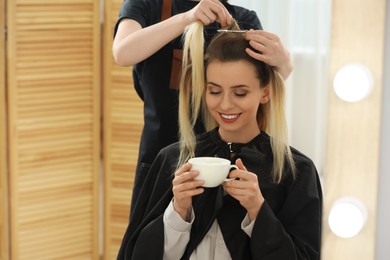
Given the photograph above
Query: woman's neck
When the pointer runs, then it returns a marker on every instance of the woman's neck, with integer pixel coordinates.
(234, 137)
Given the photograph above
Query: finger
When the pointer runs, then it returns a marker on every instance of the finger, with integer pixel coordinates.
(186, 187)
(261, 33)
(223, 15)
(237, 192)
(236, 173)
(265, 45)
(194, 192)
(258, 56)
(257, 46)
(205, 19)
(259, 39)
(242, 177)
(182, 196)
(244, 180)
(269, 35)
(207, 14)
(184, 168)
(240, 164)
(234, 184)
(242, 188)
(224, 19)
(185, 177)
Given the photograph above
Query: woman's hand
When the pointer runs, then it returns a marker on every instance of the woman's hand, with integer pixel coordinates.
(270, 50)
(184, 188)
(245, 188)
(209, 11)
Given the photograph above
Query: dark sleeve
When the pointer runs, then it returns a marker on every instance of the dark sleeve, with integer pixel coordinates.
(155, 195)
(294, 232)
(138, 10)
(138, 212)
(150, 242)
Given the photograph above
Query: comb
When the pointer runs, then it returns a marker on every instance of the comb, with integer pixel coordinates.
(231, 31)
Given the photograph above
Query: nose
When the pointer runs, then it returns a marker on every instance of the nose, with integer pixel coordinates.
(226, 102)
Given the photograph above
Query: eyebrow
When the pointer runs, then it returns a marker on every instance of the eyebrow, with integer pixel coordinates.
(235, 86)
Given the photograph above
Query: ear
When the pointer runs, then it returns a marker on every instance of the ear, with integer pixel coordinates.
(266, 95)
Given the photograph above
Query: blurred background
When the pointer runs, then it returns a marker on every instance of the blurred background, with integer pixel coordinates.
(70, 123)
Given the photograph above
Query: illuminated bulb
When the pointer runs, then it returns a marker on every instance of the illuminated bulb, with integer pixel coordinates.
(353, 82)
(347, 217)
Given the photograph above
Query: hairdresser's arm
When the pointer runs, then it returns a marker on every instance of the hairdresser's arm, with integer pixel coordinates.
(132, 43)
(270, 50)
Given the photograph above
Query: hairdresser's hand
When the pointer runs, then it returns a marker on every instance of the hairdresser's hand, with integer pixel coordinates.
(184, 188)
(270, 50)
(209, 11)
(245, 189)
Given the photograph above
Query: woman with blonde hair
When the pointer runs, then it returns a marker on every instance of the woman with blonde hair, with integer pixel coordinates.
(147, 36)
(271, 209)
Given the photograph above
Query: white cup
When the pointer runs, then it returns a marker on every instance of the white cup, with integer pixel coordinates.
(212, 170)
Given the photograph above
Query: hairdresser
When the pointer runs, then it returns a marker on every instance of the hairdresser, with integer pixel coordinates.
(148, 37)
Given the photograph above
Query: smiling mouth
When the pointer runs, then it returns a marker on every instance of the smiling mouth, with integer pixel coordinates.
(230, 117)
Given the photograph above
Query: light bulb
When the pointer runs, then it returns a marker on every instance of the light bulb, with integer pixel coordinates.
(347, 217)
(353, 82)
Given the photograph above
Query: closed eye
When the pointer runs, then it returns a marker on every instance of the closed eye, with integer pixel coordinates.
(214, 90)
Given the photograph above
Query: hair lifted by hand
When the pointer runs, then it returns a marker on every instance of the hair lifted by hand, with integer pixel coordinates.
(228, 47)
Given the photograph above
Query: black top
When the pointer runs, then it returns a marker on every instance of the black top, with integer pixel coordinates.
(288, 225)
(152, 76)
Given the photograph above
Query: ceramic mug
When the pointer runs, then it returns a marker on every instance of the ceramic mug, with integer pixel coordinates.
(212, 170)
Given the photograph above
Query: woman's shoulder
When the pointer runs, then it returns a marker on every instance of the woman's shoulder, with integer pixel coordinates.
(300, 158)
(304, 166)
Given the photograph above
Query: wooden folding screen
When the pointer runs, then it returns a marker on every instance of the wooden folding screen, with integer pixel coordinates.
(123, 121)
(53, 62)
(3, 146)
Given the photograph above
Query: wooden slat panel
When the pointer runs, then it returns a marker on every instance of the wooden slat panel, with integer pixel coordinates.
(3, 144)
(352, 166)
(122, 129)
(54, 127)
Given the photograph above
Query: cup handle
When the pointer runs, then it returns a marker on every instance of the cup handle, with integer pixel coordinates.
(231, 168)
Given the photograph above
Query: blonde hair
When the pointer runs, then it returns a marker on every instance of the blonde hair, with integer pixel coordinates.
(227, 47)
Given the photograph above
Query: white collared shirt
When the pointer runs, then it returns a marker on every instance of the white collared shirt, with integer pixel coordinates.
(177, 235)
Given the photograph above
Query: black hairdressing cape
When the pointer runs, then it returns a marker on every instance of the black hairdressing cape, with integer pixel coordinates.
(288, 225)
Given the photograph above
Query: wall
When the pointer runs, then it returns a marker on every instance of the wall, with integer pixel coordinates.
(383, 224)
(303, 26)
(353, 146)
